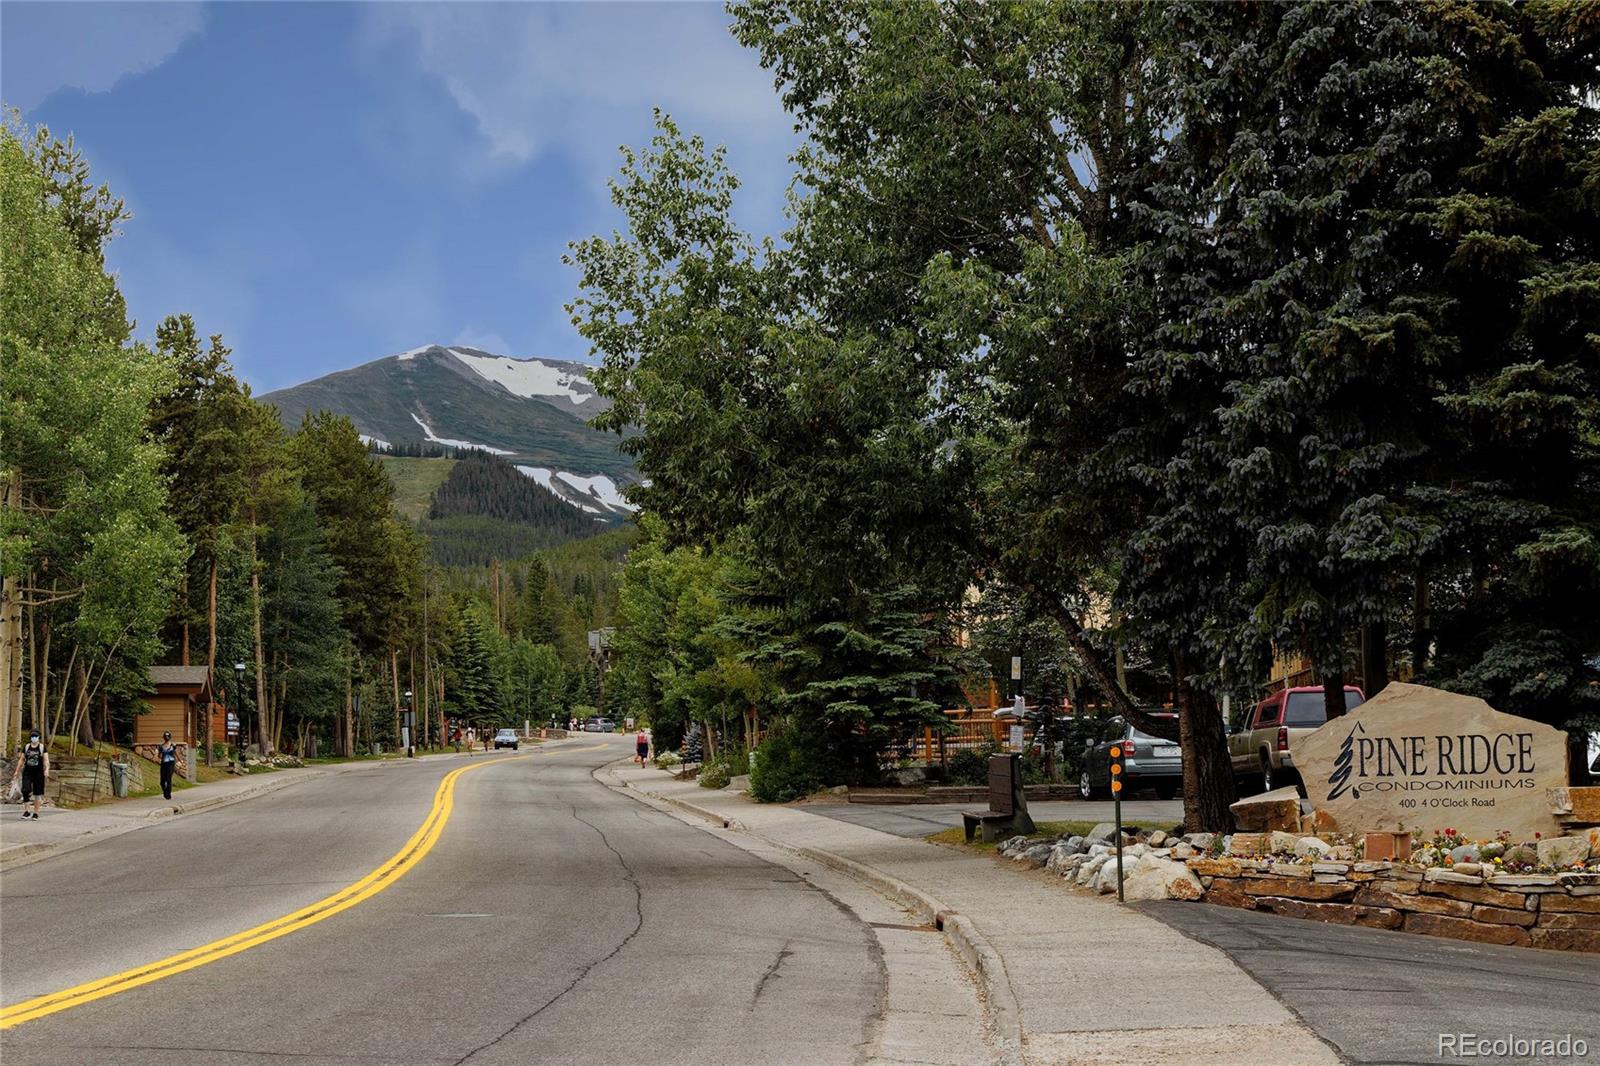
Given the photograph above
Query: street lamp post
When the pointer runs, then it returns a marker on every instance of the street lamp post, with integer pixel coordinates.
(238, 706)
(411, 750)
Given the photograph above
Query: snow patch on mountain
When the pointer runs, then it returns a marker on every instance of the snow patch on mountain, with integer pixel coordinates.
(375, 442)
(526, 377)
(428, 432)
(539, 474)
(600, 487)
(597, 494)
(413, 353)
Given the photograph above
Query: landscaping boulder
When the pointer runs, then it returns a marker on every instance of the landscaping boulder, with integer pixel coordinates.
(1521, 855)
(1064, 861)
(1157, 878)
(1464, 853)
(1312, 847)
(1077, 844)
(1011, 844)
(1201, 841)
(1157, 839)
(1104, 833)
(1250, 844)
(1184, 850)
(1563, 851)
(1037, 855)
(1578, 804)
(1278, 809)
(1087, 871)
(1279, 843)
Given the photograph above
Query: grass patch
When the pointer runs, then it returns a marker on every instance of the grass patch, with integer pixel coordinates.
(414, 481)
(957, 835)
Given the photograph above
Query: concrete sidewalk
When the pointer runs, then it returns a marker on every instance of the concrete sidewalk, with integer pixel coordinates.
(1089, 980)
(59, 830)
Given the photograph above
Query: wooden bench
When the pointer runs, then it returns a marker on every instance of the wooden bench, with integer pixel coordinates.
(1008, 806)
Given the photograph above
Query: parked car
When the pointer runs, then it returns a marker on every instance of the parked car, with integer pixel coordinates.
(506, 738)
(1147, 762)
(1261, 744)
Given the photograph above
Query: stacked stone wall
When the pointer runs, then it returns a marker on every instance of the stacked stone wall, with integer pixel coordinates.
(1558, 910)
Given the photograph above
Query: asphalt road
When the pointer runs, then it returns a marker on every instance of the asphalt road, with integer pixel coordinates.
(554, 921)
(1382, 997)
(921, 819)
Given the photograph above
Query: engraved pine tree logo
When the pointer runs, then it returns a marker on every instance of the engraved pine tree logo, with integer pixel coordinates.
(1339, 779)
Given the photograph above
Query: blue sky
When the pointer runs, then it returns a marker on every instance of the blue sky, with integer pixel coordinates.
(328, 183)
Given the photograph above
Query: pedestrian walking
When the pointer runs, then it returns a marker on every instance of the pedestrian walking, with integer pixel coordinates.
(641, 744)
(35, 768)
(168, 752)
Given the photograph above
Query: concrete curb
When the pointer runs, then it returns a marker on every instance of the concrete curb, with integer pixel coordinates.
(972, 945)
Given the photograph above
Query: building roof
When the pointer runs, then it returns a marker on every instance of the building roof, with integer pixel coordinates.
(196, 676)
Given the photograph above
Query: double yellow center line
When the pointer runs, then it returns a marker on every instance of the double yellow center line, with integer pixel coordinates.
(396, 867)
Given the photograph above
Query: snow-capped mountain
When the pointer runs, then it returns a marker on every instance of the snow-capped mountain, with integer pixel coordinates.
(533, 412)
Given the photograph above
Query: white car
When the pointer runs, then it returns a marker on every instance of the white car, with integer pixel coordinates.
(506, 738)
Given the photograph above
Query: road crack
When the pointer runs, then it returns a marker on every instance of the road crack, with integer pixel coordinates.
(638, 924)
(772, 971)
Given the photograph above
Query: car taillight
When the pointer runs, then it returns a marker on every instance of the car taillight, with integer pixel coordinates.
(1283, 738)
(1129, 749)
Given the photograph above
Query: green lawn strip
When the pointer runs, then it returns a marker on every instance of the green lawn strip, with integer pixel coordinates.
(957, 835)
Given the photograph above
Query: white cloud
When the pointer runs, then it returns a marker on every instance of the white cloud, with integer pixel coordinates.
(87, 46)
(534, 75)
(483, 340)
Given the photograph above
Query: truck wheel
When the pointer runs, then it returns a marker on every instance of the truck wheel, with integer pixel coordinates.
(1269, 779)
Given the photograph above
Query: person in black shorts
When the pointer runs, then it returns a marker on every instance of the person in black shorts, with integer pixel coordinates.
(641, 745)
(168, 751)
(35, 768)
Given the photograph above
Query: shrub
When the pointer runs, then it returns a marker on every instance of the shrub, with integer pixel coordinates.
(715, 775)
(667, 759)
(970, 766)
(784, 770)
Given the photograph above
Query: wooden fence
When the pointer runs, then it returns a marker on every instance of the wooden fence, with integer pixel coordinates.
(967, 731)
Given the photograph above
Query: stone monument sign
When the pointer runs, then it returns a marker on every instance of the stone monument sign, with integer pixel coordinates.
(1420, 758)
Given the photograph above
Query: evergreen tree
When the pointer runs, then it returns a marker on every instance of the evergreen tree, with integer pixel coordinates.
(301, 628)
(535, 616)
(354, 502)
(470, 686)
(199, 421)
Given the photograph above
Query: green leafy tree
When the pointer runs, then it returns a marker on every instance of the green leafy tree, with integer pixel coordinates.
(87, 540)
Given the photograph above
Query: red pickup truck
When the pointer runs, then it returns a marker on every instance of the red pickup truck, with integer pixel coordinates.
(1261, 743)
